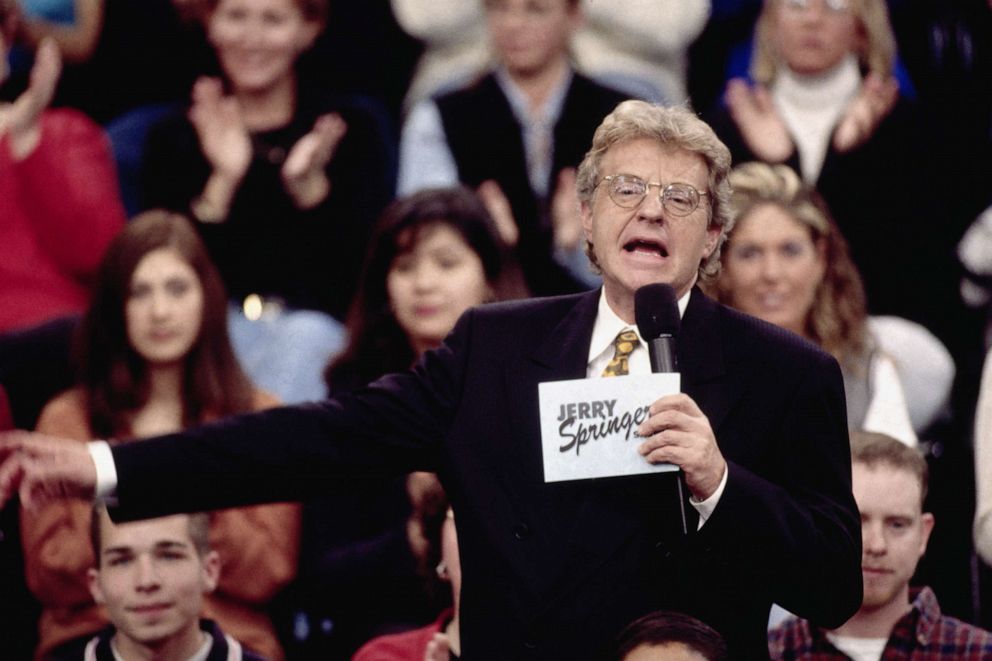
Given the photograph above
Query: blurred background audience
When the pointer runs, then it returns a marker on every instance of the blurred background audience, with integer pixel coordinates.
(275, 125)
(284, 179)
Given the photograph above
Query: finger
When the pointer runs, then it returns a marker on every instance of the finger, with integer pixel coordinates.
(11, 476)
(332, 129)
(47, 65)
(567, 180)
(763, 99)
(499, 208)
(678, 402)
(301, 156)
(737, 92)
(662, 420)
(206, 89)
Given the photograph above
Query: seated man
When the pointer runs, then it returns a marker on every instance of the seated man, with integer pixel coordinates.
(890, 485)
(540, 116)
(151, 577)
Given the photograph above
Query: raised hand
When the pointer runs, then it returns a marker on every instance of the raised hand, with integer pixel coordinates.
(303, 172)
(760, 125)
(21, 120)
(566, 222)
(220, 128)
(226, 145)
(498, 206)
(678, 432)
(865, 112)
(43, 468)
(438, 649)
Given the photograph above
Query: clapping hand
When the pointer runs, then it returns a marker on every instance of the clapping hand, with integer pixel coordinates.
(753, 110)
(565, 218)
(221, 130)
(303, 172)
(873, 103)
(438, 649)
(499, 209)
(21, 120)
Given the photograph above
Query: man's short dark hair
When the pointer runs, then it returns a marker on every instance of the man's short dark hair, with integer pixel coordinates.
(663, 627)
(198, 525)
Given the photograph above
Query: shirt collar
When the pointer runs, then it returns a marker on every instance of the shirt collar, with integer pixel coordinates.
(551, 109)
(608, 325)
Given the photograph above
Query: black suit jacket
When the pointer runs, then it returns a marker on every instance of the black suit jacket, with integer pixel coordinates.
(555, 570)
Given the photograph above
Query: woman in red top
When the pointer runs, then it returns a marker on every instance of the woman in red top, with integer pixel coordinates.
(59, 199)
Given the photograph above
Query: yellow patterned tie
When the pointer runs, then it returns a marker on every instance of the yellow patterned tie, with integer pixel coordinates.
(625, 343)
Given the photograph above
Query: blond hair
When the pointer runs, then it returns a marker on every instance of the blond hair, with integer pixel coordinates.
(877, 53)
(837, 318)
(674, 127)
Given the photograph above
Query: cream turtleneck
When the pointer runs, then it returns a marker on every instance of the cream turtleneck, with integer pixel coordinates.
(811, 106)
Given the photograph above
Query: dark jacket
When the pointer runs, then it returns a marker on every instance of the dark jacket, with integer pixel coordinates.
(556, 570)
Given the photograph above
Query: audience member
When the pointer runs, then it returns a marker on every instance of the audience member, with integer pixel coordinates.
(894, 621)
(154, 357)
(433, 255)
(787, 263)
(58, 196)
(636, 46)
(540, 116)
(284, 180)
(825, 102)
(670, 636)
(432, 535)
(640, 46)
(151, 577)
(983, 466)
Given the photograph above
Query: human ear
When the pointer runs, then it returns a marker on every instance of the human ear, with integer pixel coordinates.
(93, 582)
(211, 571)
(926, 522)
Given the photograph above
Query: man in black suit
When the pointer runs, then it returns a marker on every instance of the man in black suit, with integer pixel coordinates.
(555, 570)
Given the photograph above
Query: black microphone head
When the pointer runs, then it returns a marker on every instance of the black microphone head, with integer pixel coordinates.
(656, 311)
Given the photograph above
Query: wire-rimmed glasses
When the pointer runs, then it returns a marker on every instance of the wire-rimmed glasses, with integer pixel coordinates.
(628, 191)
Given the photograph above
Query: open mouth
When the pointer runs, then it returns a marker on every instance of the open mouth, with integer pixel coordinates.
(646, 247)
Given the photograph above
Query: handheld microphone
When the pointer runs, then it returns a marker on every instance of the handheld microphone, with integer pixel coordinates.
(656, 312)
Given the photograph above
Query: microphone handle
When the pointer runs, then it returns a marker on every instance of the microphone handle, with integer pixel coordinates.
(661, 350)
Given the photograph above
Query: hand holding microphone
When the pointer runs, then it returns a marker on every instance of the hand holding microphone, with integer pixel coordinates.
(677, 431)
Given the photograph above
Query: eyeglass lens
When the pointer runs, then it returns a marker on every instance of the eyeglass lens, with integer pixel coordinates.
(628, 192)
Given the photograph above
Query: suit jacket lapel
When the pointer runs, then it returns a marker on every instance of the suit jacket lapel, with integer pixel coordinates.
(702, 360)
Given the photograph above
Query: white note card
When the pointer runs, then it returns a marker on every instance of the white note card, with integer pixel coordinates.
(589, 426)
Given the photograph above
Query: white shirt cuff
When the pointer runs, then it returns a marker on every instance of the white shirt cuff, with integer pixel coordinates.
(705, 507)
(106, 471)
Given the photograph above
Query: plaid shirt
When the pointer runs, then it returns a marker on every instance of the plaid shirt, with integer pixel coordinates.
(923, 634)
